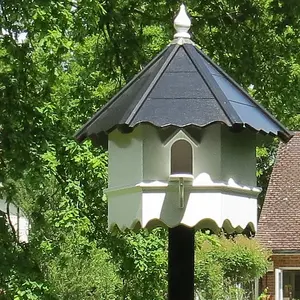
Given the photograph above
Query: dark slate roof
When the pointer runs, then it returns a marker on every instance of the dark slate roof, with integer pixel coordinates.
(279, 222)
(181, 87)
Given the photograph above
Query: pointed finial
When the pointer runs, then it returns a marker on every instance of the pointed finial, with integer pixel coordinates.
(182, 24)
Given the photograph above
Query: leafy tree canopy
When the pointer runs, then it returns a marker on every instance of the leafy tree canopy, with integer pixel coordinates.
(60, 61)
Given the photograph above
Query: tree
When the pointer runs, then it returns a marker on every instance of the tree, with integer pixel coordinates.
(62, 60)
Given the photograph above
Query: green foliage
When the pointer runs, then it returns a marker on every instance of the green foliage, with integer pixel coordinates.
(223, 263)
(31, 290)
(90, 277)
(265, 160)
(75, 56)
(264, 295)
(142, 260)
(20, 277)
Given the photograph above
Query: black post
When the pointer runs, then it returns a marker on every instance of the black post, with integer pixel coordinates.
(181, 263)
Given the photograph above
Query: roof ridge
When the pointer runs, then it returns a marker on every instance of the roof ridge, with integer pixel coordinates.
(232, 81)
(152, 84)
(214, 87)
(79, 134)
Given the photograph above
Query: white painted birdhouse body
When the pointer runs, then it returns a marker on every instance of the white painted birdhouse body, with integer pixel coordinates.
(156, 179)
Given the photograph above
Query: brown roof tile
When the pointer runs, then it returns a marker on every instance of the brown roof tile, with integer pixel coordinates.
(279, 223)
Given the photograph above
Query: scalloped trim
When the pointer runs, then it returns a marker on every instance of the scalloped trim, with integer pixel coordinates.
(206, 223)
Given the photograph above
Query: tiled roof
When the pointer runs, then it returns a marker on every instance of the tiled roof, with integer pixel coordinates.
(279, 224)
(180, 87)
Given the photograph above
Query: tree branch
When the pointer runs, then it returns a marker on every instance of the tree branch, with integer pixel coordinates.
(16, 238)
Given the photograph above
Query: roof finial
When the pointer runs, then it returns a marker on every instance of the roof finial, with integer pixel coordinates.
(182, 24)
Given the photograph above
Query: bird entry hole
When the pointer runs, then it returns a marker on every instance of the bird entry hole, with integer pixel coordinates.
(181, 158)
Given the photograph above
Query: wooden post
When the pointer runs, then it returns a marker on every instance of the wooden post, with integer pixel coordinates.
(181, 263)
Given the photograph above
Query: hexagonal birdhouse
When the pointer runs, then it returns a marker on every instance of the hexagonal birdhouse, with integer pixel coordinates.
(181, 139)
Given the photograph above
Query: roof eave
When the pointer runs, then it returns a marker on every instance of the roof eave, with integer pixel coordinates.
(82, 133)
(284, 134)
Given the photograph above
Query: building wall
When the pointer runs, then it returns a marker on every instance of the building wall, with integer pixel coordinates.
(279, 261)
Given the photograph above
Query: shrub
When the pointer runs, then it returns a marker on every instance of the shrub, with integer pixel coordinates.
(224, 265)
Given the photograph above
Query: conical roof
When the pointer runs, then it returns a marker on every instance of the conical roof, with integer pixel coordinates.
(181, 87)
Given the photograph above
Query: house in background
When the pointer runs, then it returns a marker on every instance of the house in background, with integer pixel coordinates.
(279, 223)
(18, 220)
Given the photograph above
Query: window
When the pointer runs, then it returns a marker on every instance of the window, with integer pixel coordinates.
(291, 284)
(181, 158)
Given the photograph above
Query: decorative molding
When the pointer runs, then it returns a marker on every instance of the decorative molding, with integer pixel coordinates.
(182, 24)
(136, 225)
(180, 134)
(199, 187)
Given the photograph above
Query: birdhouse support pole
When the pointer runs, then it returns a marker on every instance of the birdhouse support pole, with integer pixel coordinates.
(181, 263)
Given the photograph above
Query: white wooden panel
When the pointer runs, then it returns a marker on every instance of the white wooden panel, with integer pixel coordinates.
(238, 157)
(156, 160)
(208, 207)
(124, 209)
(207, 156)
(125, 158)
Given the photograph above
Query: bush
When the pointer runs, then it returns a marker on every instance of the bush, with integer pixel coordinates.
(84, 277)
(224, 265)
